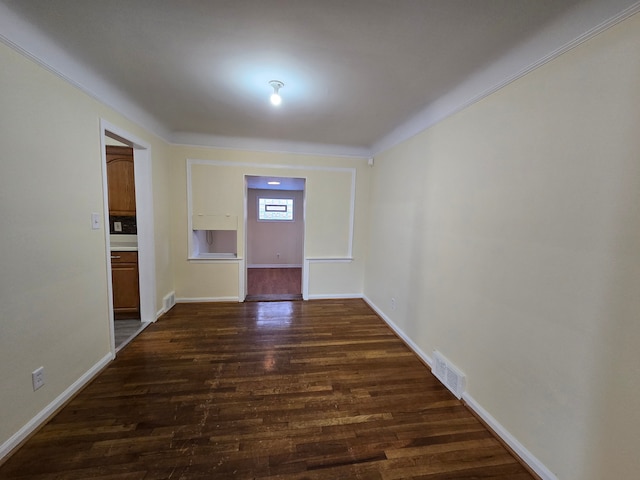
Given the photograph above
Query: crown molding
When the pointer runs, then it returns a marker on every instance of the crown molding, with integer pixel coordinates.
(29, 41)
(268, 145)
(570, 30)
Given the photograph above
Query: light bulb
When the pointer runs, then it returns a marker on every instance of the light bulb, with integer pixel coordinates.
(275, 96)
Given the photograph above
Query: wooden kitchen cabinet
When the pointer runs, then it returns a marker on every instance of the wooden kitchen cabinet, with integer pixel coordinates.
(121, 181)
(126, 291)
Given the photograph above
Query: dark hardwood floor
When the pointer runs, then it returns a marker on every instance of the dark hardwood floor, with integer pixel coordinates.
(276, 390)
(274, 284)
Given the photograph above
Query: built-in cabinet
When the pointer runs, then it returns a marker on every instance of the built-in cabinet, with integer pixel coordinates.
(124, 276)
(121, 181)
(122, 203)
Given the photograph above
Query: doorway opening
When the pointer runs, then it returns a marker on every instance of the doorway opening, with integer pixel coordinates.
(128, 213)
(274, 237)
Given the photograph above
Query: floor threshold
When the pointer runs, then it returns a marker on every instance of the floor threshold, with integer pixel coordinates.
(274, 297)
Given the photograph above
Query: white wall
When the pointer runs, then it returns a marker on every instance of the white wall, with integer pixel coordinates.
(53, 282)
(275, 243)
(334, 231)
(510, 236)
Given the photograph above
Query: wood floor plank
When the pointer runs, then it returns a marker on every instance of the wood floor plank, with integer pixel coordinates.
(274, 390)
(274, 281)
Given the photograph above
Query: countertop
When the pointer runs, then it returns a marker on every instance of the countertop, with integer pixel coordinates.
(123, 243)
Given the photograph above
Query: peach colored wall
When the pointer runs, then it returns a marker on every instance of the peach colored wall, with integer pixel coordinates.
(275, 243)
(54, 303)
(509, 235)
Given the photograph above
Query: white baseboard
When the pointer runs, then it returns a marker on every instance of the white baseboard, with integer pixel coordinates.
(526, 456)
(334, 296)
(236, 299)
(21, 435)
(274, 265)
(206, 299)
(423, 356)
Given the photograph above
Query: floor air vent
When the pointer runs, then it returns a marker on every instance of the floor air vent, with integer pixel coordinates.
(450, 376)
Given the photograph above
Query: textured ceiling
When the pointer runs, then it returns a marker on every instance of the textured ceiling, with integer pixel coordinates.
(353, 69)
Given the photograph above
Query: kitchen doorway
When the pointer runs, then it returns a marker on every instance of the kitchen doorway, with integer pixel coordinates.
(274, 225)
(128, 244)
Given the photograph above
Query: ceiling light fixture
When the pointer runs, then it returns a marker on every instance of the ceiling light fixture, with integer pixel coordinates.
(273, 183)
(276, 99)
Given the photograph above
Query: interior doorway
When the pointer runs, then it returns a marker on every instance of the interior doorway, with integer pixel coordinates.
(126, 240)
(274, 238)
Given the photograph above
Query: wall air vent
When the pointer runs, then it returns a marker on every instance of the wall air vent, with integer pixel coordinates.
(169, 301)
(450, 376)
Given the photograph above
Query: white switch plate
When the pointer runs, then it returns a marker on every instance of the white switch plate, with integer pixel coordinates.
(95, 221)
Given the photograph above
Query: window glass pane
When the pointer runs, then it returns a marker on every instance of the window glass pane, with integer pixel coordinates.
(275, 208)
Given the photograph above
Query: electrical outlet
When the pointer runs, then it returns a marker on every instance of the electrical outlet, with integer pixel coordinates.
(37, 378)
(393, 303)
(117, 226)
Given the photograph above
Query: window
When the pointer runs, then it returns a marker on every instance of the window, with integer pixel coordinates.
(275, 209)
